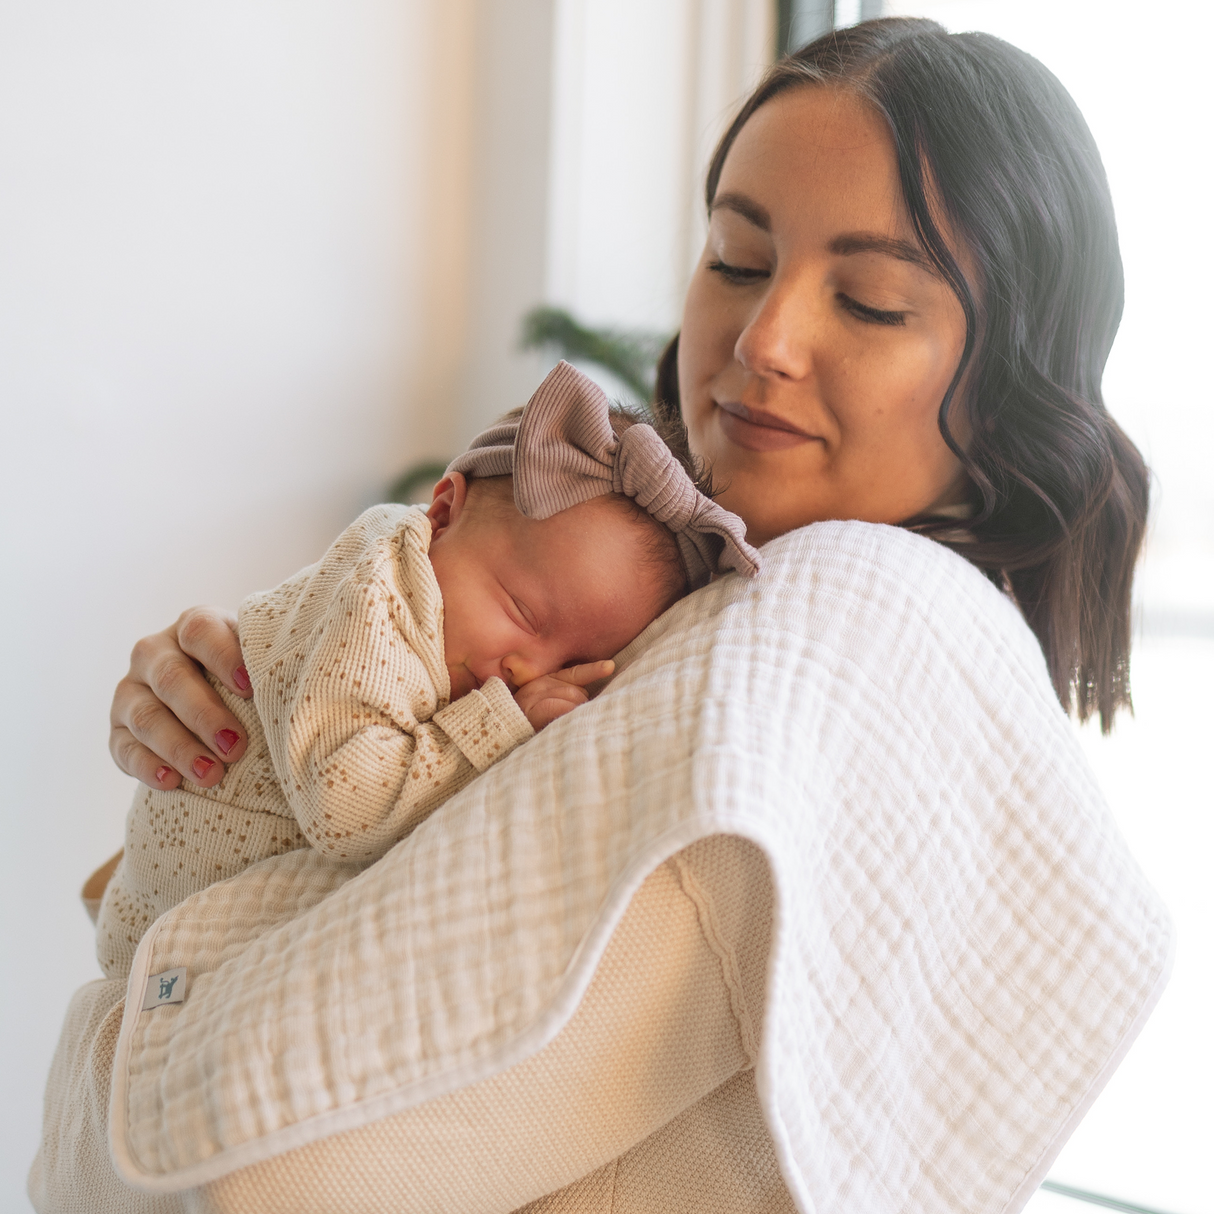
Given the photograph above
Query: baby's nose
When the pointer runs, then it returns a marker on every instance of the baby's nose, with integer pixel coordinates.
(518, 670)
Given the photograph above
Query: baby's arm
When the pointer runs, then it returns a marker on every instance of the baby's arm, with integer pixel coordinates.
(343, 661)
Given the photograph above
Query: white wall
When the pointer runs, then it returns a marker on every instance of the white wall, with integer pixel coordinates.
(510, 52)
(228, 315)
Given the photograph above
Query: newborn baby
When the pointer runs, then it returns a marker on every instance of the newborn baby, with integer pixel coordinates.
(427, 644)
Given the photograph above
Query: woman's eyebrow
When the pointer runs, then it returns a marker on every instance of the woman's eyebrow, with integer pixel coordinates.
(849, 243)
(871, 242)
(746, 207)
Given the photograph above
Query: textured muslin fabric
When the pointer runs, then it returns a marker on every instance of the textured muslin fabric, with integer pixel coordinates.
(962, 948)
(663, 1034)
(352, 739)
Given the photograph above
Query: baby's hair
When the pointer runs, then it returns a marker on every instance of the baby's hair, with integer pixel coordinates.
(661, 549)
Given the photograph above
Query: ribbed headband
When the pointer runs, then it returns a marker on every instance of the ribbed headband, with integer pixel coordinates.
(563, 451)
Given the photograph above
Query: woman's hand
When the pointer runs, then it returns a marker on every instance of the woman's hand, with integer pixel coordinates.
(166, 719)
(553, 695)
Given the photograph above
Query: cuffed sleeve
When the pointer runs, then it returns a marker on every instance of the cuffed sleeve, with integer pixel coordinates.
(486, 725)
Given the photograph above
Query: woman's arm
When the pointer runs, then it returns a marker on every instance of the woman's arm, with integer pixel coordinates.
(166, 719)
(671, 1014)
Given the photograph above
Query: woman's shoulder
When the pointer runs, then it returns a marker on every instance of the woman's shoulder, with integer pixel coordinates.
(851, 609)
(872, 572)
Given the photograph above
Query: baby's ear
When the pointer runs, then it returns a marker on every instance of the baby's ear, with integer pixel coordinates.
(450, 496)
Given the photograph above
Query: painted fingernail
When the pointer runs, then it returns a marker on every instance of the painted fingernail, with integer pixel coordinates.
(202, 765)
(240, 676)
(162, 774)
(225, 739)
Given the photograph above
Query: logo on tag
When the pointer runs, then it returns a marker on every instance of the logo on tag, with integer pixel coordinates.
(168, 987)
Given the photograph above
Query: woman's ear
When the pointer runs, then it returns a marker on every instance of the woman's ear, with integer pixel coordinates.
(450, 496)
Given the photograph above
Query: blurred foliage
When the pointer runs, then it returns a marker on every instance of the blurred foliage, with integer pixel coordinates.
(413, 485)
(630, 355)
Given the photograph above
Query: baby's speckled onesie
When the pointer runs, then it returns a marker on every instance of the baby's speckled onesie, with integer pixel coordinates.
(351, 739)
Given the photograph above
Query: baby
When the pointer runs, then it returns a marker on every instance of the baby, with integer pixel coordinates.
(427, 644)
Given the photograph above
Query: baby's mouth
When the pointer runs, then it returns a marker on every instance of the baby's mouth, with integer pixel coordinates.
(462, 681)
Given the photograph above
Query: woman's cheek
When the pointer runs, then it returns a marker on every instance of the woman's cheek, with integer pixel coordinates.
(911, 381)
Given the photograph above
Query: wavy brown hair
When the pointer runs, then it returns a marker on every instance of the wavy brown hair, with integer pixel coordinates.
(1060, 493)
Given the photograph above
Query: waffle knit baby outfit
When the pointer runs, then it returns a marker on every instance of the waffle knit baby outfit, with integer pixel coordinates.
(352, 740)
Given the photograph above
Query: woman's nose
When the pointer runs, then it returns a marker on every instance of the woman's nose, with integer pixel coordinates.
(778, 339)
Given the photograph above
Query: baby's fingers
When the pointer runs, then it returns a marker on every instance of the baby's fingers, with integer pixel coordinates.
(587, 672)
(543, 712)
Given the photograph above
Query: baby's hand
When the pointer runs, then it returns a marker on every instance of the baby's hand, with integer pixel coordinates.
(553, 695)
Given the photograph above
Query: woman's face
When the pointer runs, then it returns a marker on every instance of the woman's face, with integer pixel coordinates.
(817, 339)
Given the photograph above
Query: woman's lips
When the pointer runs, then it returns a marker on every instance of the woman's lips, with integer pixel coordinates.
(757, 430)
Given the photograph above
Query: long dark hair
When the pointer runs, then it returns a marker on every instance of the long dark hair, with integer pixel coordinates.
(1059, 492)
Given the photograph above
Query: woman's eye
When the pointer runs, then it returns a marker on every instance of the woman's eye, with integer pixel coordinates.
(874, 316)
(738, 274)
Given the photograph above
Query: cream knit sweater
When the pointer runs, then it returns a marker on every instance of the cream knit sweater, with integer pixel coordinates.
(352, 740)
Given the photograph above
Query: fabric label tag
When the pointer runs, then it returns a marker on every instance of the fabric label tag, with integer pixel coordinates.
(168, 987)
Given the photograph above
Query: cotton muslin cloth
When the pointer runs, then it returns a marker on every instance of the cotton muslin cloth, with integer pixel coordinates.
(962, 948)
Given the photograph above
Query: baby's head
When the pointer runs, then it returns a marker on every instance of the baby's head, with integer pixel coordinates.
(524, 597)
(556, 539)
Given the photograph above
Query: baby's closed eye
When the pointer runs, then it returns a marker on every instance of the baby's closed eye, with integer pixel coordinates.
(523, 616)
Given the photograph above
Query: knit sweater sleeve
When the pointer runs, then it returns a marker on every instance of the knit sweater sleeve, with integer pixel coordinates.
(351, 686)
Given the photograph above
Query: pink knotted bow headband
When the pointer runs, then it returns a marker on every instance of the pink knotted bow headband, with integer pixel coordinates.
(563, 451)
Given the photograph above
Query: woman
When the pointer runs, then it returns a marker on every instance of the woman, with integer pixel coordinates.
(994, 401)
(909, 289)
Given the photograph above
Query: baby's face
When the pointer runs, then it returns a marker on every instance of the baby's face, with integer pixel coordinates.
(524, 598)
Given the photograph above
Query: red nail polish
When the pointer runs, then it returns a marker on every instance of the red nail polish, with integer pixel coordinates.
(241, 677)
(162, 774)
(225, 739)
(202, 765)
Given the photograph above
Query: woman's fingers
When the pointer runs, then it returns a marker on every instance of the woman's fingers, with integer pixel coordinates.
(136, 760)
(154, 727)
(166, 720)
(208, 635)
